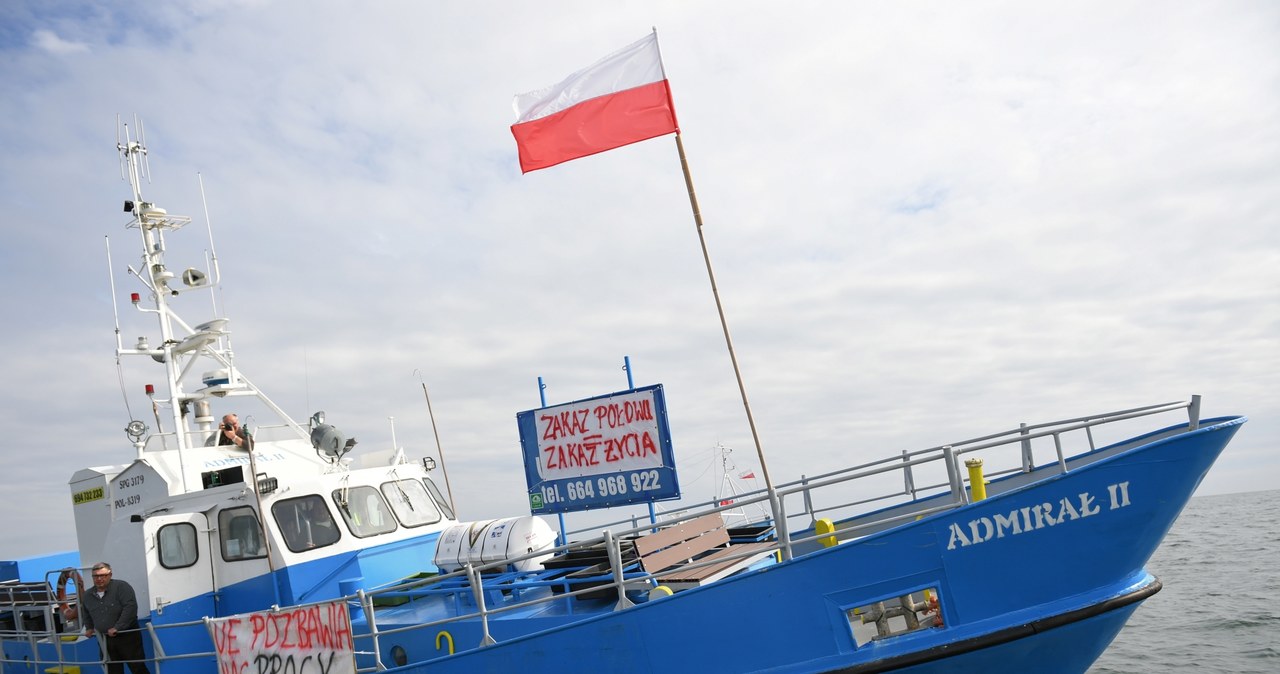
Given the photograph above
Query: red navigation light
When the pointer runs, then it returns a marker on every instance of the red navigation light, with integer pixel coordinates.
(134, 297)
(151, 390)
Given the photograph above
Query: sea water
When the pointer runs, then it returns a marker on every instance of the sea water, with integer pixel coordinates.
(1219, 610)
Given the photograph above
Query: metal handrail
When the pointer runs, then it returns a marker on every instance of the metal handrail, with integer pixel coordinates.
(265, 433)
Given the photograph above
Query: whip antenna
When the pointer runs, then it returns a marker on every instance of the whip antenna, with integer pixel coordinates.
(115, 310)
(119, 146)
(213, 252)
(142, 141)
(439, 448)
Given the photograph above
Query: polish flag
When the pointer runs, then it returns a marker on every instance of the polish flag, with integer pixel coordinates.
(621, 99)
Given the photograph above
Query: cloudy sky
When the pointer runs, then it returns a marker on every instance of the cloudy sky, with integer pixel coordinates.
(928, 222)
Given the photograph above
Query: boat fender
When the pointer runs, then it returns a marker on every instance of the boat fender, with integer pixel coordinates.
(825, 526)
(69, 612)
(659, 592)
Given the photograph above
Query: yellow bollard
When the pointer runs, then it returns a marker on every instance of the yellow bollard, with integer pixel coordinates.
(825, 526)
(977, 484)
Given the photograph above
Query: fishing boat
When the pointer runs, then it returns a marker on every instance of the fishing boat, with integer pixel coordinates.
(1021, 550)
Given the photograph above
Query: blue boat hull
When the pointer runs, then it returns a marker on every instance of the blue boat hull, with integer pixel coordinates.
(1062, 546)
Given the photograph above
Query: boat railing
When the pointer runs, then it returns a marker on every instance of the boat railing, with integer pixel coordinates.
(952, 489)
(930, 482)
(26, 609)
(159, 442)
(933, 472)
(32, 613)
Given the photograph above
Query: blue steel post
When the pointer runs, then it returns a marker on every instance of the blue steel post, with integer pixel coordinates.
(561, 538)
(631, 386)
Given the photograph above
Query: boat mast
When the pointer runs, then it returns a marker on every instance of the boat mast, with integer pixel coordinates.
(151, 221)
(182, 346)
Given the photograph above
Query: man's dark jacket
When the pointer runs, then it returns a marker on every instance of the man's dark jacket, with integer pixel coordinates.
(117, 608)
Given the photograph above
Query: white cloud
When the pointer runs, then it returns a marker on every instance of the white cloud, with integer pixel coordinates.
(49, 41)
(927, 223)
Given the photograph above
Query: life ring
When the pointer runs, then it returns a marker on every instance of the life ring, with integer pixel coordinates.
(69, 611)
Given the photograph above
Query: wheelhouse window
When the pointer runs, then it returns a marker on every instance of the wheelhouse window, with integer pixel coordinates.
(411, 503)
(364, 510)
(240, 534)
(439, 498)
(305, 523)
(176, 544)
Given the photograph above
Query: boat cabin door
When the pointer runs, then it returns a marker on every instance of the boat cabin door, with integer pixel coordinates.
(180, 568)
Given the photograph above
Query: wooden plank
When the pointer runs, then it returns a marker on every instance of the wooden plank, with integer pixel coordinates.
(689, 549)
(742, 552)
(678, 533)
(680, 542)
(745, 555)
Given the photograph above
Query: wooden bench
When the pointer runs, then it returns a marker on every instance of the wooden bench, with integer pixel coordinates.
(704, 540)
(740, 556)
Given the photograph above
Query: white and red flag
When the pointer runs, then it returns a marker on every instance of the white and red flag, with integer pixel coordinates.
(623, 98)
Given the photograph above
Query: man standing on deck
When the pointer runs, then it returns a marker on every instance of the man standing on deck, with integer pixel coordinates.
(111, 607)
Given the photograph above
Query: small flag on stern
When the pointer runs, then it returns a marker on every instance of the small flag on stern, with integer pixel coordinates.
(624, 98)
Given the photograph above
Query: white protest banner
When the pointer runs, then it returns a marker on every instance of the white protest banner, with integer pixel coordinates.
(312, 639)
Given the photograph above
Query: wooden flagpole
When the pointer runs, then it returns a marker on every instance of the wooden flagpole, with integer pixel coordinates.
(779, 520)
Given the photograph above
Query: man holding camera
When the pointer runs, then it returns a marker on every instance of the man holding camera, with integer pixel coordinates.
(230, 432)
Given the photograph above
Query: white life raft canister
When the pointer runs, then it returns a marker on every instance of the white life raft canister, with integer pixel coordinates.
(480, 543)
